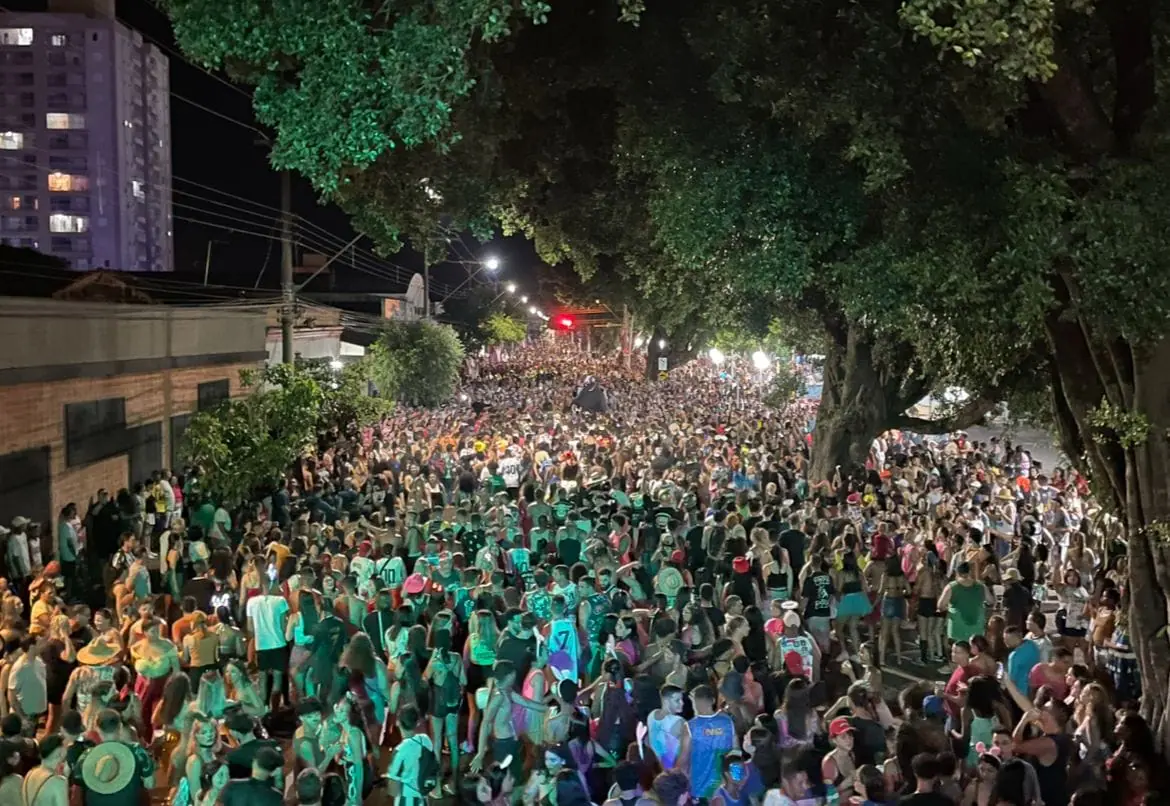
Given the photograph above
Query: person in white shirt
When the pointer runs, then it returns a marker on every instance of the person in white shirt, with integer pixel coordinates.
(28, 695)
(403, 774)
(268, 618)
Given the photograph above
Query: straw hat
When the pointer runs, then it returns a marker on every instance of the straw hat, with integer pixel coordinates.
(107, 768)
(96, 653)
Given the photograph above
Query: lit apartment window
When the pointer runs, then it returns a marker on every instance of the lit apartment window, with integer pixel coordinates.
(11, 141)
(60, 222)
(64, 120)
(138, 188)
(58, 40)
(13, 202)
(68, 182)
(20, 37)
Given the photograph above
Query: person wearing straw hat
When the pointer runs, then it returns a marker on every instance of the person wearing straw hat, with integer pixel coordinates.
(114, 772)
(98, 661)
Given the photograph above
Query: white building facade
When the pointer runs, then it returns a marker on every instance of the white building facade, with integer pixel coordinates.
(85, 141)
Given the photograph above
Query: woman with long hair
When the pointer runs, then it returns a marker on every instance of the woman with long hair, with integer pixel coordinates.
(447, 678)
(796, 721)
(200, 754)
(299, 632)
(893, 588)
(172, 716)
(240, 688)
(479, 651)
(854, 604)
(369, 681)
(351, 747)
(60, 660)
(200, 648)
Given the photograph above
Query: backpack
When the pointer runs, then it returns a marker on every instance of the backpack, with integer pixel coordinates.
(428, 770)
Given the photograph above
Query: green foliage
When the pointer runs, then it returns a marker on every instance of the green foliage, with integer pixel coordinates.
(786, 388)
(500, 328)
(346, 399)
(1128, 428)
(343, 82)
(249, 442)
(416, 363)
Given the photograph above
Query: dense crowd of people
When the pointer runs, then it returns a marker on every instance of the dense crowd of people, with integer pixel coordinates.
(513, 600)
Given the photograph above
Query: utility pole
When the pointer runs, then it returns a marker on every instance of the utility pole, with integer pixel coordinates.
(427, 279)
(627, 337)
(287, 288)
(207, 260)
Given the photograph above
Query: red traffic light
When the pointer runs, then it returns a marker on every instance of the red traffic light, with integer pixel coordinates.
(565, 322)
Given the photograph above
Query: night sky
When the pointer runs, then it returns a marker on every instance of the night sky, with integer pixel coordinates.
(222, 154)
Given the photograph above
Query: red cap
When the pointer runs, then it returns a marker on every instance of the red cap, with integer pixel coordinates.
(741, 565)
(853, 498)
(677, 556)
(839, 726)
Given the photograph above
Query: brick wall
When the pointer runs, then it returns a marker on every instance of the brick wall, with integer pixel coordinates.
(33, 415)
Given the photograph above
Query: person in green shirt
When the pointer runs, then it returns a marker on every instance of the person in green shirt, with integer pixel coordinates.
(965, 601)
(203, 515)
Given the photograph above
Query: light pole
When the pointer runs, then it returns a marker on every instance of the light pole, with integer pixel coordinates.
(491, 264)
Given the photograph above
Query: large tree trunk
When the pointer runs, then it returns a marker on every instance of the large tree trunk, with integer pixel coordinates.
(1112, 396)
(854, 406)
(867, 389)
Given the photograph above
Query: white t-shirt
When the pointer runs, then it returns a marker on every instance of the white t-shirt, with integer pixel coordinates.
(510, 470)
(404, 767)
(265, 613)
(27, 682)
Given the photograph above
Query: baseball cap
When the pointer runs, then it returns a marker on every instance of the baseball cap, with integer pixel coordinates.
(791, 619)
(839, 726)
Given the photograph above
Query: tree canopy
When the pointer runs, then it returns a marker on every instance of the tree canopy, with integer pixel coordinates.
(246, 444)
(956, 193)
(416, 363)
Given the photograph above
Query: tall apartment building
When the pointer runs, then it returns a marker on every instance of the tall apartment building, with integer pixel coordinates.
(85, 139)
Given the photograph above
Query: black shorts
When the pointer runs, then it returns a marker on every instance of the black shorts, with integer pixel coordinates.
(272, 660)
(927, 607)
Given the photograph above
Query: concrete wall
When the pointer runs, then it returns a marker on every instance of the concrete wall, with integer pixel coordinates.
(39, 333)
(54, 353)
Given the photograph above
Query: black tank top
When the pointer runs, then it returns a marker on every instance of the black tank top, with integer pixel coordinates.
(1053, 779)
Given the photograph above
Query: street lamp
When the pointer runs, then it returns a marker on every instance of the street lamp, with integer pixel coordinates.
(524, 300)
(760, 360)
(716, 356)
(510, 288)
(492, 263)
(662, 344)
(532, 309)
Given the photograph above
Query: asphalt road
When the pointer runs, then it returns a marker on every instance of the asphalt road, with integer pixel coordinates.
(1034, 440)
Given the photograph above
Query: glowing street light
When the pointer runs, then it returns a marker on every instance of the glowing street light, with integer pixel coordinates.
(532, 310)
(492, 263)
(524, 300)
(716, 356)
(510, 288)
(760, 360)
(662, 344)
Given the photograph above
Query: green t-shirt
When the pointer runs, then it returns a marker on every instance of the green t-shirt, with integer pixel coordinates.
(204, 517)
